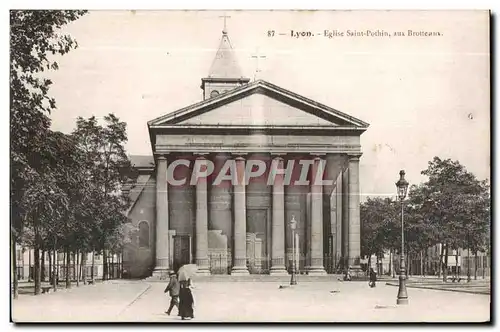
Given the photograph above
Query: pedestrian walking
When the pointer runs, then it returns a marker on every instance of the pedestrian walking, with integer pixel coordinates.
(186, 303)
(173, 288)
(348, 275)
(373, 278)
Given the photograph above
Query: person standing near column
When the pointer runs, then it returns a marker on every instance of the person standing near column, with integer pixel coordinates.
(173, 288)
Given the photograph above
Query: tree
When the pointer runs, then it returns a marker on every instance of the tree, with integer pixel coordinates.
(379, 230)
(107, 169)
(34, 36)
(41, 202)
(455, 203)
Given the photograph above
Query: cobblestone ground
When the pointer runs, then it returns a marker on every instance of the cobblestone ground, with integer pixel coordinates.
(319, 302)
(254, 302)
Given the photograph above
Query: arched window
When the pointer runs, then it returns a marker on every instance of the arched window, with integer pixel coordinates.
(144, 234)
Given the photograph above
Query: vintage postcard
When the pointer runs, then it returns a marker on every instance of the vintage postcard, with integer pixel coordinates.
(250, 166)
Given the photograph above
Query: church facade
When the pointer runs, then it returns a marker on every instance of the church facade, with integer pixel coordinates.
(230, 173)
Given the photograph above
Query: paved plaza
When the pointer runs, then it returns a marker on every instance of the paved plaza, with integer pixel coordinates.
(336, 301)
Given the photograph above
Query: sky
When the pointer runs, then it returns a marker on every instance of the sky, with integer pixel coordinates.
(422, 96)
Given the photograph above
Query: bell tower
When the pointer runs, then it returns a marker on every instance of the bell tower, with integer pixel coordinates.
(225, 73)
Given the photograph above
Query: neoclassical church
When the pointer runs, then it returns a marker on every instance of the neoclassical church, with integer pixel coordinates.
(245, 226)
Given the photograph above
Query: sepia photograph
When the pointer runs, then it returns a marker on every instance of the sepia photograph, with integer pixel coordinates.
(250, 166)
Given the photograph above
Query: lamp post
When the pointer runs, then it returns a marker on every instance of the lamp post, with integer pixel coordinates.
(293, 226)
(402, 186)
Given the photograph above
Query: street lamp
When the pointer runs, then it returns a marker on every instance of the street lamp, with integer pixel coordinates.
(402, 186)
(293, 226)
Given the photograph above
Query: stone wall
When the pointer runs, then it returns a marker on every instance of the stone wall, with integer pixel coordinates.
(140, 260)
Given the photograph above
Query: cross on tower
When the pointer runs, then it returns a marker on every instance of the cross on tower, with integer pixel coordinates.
(224, 31)
(256, 56)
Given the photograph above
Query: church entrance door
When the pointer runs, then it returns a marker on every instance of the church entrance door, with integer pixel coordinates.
(182, 251)
(257, 241)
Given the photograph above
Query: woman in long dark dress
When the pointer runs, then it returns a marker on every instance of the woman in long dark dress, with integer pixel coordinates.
(373, 278)
(186, 300)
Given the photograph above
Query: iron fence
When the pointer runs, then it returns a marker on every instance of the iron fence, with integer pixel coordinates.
(221, 263)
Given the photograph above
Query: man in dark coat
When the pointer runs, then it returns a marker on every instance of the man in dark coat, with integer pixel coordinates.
(173, 288)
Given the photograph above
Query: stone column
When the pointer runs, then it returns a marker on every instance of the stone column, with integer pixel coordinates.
(162, 225)
(354, 211)
(278, 221)
(338, 249)
(316, 221)
(345, 219)
(220, 211)
(202, 220)
(240, 220)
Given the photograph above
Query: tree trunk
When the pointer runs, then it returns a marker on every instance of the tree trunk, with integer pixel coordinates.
(445, 265)
(37, 275)
(64, 266)
(74, 270)
(50, 267)
(76, 258)
(408, 265)
(54, 273)
(441, 261)
(394, 258)
(457, 274)
(13, 253)
(29, 266)
(68, 268)
(484, 267)
(369, 264)
(43, 265)
(475, 265)
(93, 264)
(390, 262)
(393, 265)
(421, 263)
(119, 262)
(112, 265)
(425, 268)
(104, 265)
(83, 266)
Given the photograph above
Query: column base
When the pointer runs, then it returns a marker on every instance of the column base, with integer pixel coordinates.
(203, 271)
(357, 272)
(240, 270)
(160, 272)
(278, 270)
(316, 271)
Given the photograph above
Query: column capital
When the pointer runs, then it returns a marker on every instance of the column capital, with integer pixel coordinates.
(201, 155)
(239, 154)
(278, 154)
(239, 158)
(318, 155)
(162, 156)
(353, 157)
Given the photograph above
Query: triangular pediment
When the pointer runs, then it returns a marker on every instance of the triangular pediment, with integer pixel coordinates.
(259, 103)
(256, 109)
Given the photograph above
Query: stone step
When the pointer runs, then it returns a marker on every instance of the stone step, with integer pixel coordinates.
(261, 278)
